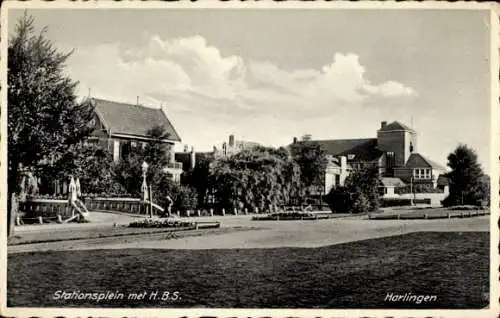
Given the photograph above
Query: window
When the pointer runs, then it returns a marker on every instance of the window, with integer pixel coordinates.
(390, 160)
(421, 173)
(350, 156)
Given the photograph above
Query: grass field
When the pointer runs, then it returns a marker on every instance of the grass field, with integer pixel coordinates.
(454, 266)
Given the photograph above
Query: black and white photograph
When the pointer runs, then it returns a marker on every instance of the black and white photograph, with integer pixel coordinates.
(249, 158)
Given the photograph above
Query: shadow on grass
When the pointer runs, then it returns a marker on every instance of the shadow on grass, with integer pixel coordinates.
(452, 266)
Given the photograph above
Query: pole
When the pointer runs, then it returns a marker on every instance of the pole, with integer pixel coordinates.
(411, 190)
(150, 201)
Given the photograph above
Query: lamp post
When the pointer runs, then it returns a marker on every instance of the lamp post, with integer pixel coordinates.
(144, 183)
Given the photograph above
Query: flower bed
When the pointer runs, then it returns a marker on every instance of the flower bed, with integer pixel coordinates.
(162, 223)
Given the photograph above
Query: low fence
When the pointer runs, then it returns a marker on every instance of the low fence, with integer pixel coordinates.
(48, 210)
(422, 216)
(398, 201)
(125, 205)
(43, 209)
(432, 198)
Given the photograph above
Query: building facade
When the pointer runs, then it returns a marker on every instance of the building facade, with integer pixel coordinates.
(121, 128)
(233, 146)
(393, 153)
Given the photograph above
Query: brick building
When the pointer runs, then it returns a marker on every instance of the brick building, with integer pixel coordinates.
(122, 127)
(393, 152)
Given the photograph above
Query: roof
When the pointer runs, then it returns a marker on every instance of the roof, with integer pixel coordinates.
(396, 125)
(132, 120)
(392, 182)
(363, 149)
(416, 160)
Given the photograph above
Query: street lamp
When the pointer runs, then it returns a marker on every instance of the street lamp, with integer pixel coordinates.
(144, 184)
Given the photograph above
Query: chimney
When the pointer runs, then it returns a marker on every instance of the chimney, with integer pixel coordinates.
(193, 158)
(294, 140)
(231, 140)
(383, 125)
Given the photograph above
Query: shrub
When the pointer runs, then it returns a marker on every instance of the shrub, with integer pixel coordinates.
(360, 204)
(338, 200)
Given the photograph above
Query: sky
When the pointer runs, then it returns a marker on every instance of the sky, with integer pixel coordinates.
(271, 75)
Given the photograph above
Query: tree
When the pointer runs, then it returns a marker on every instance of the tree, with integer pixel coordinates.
(198, 178)
(44, 118)
(93, 165)
(359, 193)
(468, 183)
(259, 178)
(156, 154)
(311, 159)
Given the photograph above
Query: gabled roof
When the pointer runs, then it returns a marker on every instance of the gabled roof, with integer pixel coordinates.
(416, 160)
(396, 125)
(132, 120)
(363, 149)
(392, 182)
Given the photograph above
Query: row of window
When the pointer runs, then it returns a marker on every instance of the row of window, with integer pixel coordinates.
(422, 173)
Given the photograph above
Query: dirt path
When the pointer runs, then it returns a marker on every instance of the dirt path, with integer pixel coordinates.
(272, 234)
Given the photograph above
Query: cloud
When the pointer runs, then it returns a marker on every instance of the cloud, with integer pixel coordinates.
(200, 67)
(194, 78)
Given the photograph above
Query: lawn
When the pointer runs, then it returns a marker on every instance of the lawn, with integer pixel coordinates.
(454, 266)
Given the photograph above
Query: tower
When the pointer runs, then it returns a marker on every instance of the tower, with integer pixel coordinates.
(398, 141)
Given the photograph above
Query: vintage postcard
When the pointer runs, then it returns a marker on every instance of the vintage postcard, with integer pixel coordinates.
(249, 159)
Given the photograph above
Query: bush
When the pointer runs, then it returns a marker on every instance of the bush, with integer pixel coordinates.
(360, 204)
(338, 200)
(358, 195)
